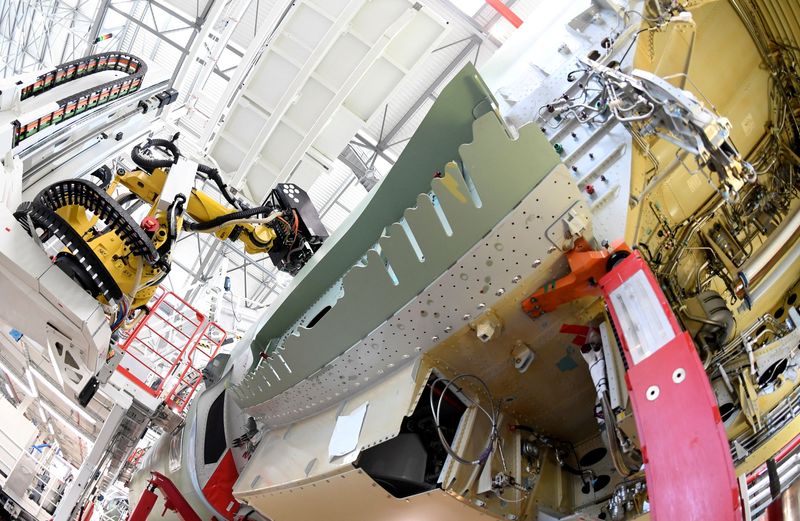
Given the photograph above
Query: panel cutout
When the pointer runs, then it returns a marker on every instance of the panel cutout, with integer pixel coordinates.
(441, 215)
(473, 191)
(413, 240)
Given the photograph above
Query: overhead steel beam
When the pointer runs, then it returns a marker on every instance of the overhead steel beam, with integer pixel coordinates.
(97, 24)
(209, 263)
(10, 36)
(28, 19)
(70, 38)
(178, 15)
(147, 28)
(235, 84)
(197, 27)
(48, 31)
(256, 265)
(363, 143)
(211, 15)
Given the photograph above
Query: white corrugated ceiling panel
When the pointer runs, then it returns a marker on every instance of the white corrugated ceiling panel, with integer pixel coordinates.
(414, 86)
(326, 73)
(251, 21)
(418, 86)
(328, 185)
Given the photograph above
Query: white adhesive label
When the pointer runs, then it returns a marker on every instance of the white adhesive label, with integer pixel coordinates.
(748, 125)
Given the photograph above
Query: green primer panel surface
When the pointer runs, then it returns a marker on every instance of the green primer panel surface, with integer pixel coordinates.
(447, 125)
(498, 172)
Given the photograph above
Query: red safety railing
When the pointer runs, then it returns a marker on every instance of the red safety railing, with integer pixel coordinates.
(168, 349)
(205, 348)
(136, 456)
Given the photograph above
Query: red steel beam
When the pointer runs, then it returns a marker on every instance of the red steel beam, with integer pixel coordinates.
(689, 469)
(173, 500)
(505, 12)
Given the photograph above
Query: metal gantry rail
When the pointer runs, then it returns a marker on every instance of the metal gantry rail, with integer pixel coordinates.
(87, 99)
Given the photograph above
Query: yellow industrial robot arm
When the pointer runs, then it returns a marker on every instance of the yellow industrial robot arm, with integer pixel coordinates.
(201, 207)
(121, 259)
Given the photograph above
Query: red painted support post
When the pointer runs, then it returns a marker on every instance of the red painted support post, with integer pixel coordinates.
(89, 511)
(689, 469)
(144, 506)
(173, 500)
(505, 12)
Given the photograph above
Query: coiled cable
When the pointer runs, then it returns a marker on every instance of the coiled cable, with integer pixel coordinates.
(493, 418)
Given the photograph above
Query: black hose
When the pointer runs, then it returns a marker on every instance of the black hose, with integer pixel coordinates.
(172, 226)
(213, 174)
(222, 219)
(572, 470)
(149, 164)
(169, 144)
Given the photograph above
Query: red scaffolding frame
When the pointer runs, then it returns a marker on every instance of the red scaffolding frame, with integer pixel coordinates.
(202, 351)
(676, 413)
(168, 349)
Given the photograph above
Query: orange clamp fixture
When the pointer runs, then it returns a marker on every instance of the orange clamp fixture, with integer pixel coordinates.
(586, 266)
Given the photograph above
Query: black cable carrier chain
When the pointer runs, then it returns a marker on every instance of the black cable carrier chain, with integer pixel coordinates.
(86, 99)
(102, 281)
(87, 195)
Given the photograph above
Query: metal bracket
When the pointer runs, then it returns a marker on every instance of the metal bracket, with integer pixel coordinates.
(572, 224)
(71, 372)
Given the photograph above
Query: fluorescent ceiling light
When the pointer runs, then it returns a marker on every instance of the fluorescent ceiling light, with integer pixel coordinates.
(56, 370)
(68, 424)
(34, 392)
(17, 381)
